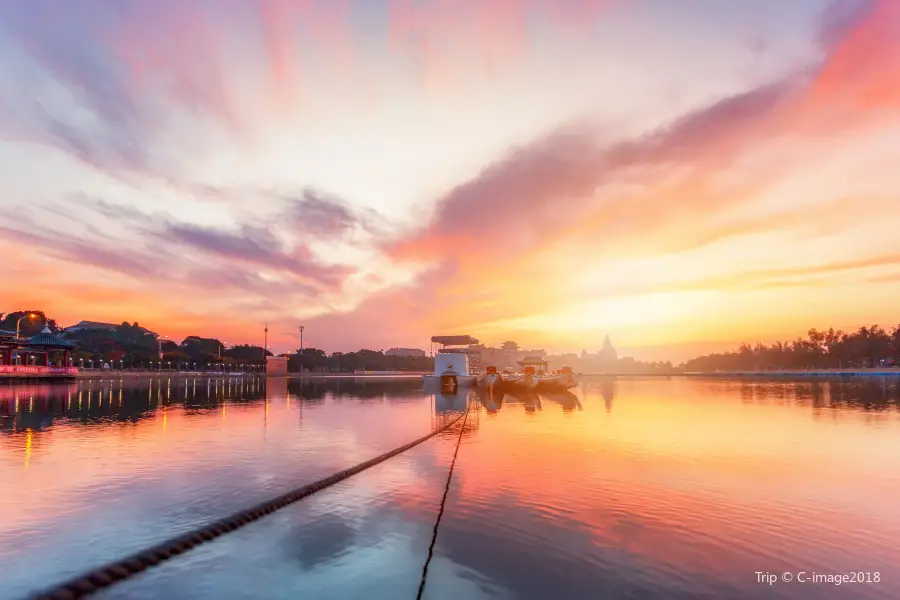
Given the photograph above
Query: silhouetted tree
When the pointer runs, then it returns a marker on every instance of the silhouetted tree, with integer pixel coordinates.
(869, 346)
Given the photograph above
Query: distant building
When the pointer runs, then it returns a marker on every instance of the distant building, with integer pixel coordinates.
(405, 352)
(97, 326)
(506, 357)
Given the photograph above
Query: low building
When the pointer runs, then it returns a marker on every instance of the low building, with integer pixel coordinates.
(43, 355)
(405, 352)
(503, 358)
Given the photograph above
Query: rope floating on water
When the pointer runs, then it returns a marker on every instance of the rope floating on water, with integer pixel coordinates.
(437, 522)
(120, 570)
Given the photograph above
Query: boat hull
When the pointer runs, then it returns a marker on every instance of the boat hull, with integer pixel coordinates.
(541, 383)
(522, 382)
(557, 383)
(461, 380)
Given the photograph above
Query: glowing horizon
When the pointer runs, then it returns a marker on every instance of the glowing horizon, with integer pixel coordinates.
(681, 179)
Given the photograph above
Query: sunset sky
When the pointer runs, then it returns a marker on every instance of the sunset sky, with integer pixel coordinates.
(682, 175)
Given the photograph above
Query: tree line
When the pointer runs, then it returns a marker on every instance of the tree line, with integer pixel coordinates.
(868, 347)
(131, 345)
(314, 359)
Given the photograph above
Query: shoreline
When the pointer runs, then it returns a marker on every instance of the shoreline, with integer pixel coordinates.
(188, 374)
(148, 375)
(800, 373)
(137, 375)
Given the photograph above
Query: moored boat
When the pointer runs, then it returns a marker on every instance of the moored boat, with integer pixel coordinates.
(530, 378)
(490, 379)
(564, 379)
(534, 376)
(451, 365)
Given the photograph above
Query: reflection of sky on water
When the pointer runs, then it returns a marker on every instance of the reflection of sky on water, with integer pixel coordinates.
(666, 488)
(109, 467)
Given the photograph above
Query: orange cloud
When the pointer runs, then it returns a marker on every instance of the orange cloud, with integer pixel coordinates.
(513, 234)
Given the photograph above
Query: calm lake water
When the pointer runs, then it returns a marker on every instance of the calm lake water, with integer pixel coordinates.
(628, 488)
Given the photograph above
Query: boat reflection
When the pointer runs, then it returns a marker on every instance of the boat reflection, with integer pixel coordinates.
(450, 403)
(566, 399)
(532, 401)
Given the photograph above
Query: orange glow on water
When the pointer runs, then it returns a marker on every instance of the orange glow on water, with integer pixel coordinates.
(29, 435)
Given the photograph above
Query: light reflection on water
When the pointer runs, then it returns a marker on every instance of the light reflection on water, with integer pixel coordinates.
(669, 488)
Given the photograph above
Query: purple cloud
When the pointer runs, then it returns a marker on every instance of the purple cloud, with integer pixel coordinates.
(259, 246)
(107, 76)
(317, 214)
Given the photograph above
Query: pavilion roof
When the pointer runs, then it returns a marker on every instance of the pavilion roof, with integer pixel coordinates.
(532, 360)
(46, 339)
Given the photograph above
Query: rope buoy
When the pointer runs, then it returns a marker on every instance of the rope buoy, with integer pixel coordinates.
(120, 570)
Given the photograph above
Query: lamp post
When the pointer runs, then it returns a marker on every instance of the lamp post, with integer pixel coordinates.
(159, 342)
(19, 322)
(302, 327)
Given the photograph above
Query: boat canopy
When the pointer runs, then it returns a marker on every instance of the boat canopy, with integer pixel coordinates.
(453, 340)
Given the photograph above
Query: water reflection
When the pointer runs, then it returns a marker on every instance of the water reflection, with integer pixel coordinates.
(605, 386)
(492, 401)
(96, 402)
(636, 487)
(875, 394)
(110, 466)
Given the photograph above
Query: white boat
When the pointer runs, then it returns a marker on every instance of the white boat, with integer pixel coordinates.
(451, 372)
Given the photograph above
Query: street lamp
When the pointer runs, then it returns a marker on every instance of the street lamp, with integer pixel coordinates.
(302, 327)
(159, 342)
(19, 322)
